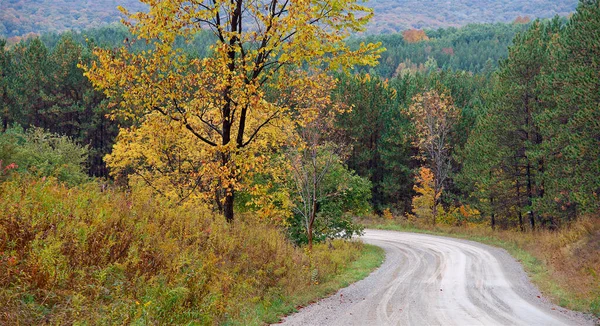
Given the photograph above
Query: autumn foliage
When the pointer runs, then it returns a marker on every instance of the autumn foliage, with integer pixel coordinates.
(104, 256)
(522, 20)
(414, 35)
(249, 106)
(231, 106)
(423, 203)
(434, 116)
(448, 51)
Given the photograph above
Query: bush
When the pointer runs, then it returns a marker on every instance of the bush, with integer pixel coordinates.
(343, 195)
(99, 256)
(43, 154)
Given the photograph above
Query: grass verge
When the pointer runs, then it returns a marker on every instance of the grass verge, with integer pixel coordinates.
(271, 311)
(552, 261)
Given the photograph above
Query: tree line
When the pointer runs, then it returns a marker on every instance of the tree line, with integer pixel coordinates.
(474, 47)
(533, 157)
(518, 147)
(25, 17)
(523, 151)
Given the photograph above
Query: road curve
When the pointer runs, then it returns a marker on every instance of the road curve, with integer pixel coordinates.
(432, 280)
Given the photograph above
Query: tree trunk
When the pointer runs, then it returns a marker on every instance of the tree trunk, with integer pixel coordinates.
(519, 206)
(493, 212)
(313, 214)
(434, 209)
(227, 193)
(228, 206)
(227, 122)
(518, 194)
(310, 237)
(530, 197)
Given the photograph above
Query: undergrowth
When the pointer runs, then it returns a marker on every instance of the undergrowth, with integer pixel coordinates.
(564, 264)
(91, 255)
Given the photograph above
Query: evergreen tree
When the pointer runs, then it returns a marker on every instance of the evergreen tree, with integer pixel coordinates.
(487, 171)
(514, 135)
(44, 87)
(6, 80)
(570, 121)
(375, 127)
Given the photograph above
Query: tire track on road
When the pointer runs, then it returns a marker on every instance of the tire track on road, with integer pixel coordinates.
(432, 280)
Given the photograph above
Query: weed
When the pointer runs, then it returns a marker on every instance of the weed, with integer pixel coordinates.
(87, 255)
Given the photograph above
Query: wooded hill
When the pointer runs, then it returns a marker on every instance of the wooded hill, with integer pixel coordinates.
(21, 17)
(439, 135)
(384, 152)
(398, 15)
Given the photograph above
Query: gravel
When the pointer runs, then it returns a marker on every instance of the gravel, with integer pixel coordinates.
(433, 280)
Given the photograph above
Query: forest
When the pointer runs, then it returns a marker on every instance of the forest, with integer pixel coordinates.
(18, 18)
(399, 15)
(140, 163)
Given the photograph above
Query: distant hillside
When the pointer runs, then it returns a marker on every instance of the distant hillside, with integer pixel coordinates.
(474, 47)
(20, 17)
(398, 15)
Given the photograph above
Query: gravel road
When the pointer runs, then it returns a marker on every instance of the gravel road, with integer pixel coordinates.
(432, 280)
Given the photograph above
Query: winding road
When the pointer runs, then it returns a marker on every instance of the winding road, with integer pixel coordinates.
(432, 280)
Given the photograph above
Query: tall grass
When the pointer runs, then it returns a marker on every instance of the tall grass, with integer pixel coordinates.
(101, 256)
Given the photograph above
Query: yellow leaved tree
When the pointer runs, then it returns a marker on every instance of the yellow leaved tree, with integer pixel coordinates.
(424, 204)
(433, 116)
(231, 107)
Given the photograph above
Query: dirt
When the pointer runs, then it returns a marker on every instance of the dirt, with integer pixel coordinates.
(432, 280)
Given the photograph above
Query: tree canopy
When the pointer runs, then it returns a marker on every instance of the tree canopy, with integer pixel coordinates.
(250, 83)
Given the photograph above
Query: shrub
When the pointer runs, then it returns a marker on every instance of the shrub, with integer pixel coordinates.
(90, 255)
(41, 153)
(341, 195)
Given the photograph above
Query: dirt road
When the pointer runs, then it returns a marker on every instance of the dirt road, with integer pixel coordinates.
(431, 280)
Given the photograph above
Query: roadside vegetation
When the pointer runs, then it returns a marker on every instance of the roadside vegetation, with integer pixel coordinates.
(94, 254)
(182, 168)
(191, 215)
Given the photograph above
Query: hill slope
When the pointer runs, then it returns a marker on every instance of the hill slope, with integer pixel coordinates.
(20, 17)
(397, 15)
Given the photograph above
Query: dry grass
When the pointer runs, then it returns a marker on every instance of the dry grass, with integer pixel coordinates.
(564, 264)
(81, 255)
